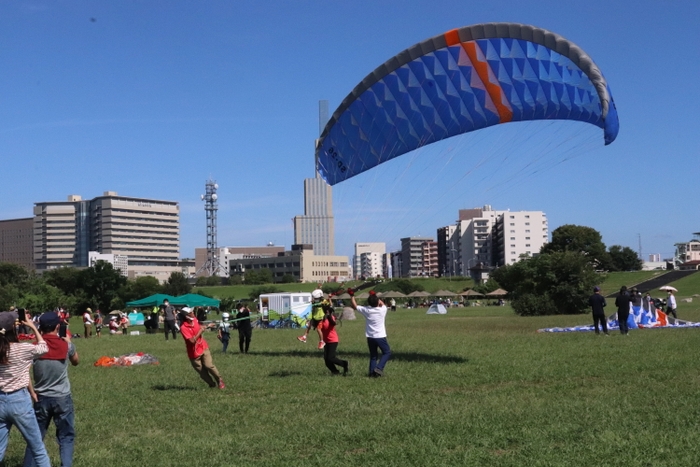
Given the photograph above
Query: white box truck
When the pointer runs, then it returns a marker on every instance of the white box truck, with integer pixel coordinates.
(285, 309)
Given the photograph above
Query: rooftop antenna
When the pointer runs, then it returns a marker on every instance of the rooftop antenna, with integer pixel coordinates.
(212, 266)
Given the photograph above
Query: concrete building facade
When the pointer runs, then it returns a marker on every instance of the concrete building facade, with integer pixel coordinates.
(361, 248)
(300, 262)
(226, 254)
(146, 231)
(16, 242)
(483, 238)
(371, 263)
(412, 256)
(316, 227)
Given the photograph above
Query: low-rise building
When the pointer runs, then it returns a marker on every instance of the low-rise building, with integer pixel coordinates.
(300, 263)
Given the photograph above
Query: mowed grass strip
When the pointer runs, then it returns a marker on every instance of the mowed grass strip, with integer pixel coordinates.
(478, 386)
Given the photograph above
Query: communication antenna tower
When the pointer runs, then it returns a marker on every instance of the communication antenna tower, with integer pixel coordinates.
(212, 266)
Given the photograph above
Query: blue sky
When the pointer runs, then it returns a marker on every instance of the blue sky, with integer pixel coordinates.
(152, 98)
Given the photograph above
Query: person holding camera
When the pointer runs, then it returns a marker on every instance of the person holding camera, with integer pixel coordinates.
(15, 401)
(51, 390)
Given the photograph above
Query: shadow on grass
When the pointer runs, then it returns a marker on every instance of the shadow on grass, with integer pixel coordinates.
(172, 387)
(395, 356)
(284, 374)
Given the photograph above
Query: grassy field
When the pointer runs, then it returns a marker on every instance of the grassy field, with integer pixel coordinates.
(476, 387)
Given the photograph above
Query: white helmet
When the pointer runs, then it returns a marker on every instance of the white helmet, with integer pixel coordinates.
(316, 294)
(225, 315)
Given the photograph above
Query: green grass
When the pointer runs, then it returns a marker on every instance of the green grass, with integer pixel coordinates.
(614, 280)
(476, 387)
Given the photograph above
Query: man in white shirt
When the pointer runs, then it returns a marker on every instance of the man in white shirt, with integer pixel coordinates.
(671, 305)
(375, 331)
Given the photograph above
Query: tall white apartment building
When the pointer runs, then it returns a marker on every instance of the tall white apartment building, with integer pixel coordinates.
(485, 238)
(360, 249)
(371, 264)
(519, 233)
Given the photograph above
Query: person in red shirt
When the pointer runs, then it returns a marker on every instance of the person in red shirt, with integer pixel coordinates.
(330, 337)
(198, 350)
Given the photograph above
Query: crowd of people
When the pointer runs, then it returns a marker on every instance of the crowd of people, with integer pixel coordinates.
(42, 344)
(624, 301)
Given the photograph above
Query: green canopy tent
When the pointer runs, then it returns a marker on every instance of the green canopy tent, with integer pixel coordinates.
(193, 299)
(151, 301)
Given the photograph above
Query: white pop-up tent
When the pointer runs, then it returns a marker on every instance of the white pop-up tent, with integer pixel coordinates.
(436, 309)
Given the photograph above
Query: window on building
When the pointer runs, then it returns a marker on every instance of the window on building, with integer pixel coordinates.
(512, 238)
(512, 224)
(527, 245)
(527, 231)
(527, 238)
(527, 223)
(512, 217)
(512, 246)
(527, 216)
(512, 231)
(512, 252)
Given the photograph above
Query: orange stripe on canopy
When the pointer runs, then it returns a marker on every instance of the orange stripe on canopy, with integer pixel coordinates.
(494, 90)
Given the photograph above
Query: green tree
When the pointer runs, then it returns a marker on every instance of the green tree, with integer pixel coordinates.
(177, 284)
(556, 283)
(258, 276)
(141, 287)
(579, 239)
(257, 291)
(66, 279)
(13, 274)
(101, 284)
(624, 259)
(288, 279)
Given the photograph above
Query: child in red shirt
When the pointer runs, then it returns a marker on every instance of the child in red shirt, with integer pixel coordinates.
(330, 337)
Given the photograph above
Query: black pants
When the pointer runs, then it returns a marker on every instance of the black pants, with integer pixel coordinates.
(622, 320)
(169, 326)
(671, 311)
(603, 322)
(244, 336)
(331, 360)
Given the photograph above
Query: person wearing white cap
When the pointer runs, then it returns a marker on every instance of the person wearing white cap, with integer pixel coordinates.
(198, 350)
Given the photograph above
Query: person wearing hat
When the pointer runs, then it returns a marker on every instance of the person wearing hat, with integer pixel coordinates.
(51, 390)
(198, 350)
(597, 303)
(15, 401)
(224, 331)
(87, 322)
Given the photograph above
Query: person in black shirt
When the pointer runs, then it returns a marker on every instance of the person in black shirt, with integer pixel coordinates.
(245, 331)
(597, 303)
(622, 302)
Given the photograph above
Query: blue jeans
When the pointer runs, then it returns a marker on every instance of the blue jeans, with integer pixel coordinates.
(16, 409)
(374, 345)
(60, 410)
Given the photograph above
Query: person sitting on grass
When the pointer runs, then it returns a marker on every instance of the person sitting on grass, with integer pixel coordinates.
(318, 307)
(375, 331)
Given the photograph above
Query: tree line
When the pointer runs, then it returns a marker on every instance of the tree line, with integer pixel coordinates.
(99, 287)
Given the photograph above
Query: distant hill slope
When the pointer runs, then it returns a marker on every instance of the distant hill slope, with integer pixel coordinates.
(658, 281)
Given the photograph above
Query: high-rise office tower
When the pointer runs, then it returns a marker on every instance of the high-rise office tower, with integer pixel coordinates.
(316, 226)
(147, 231)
